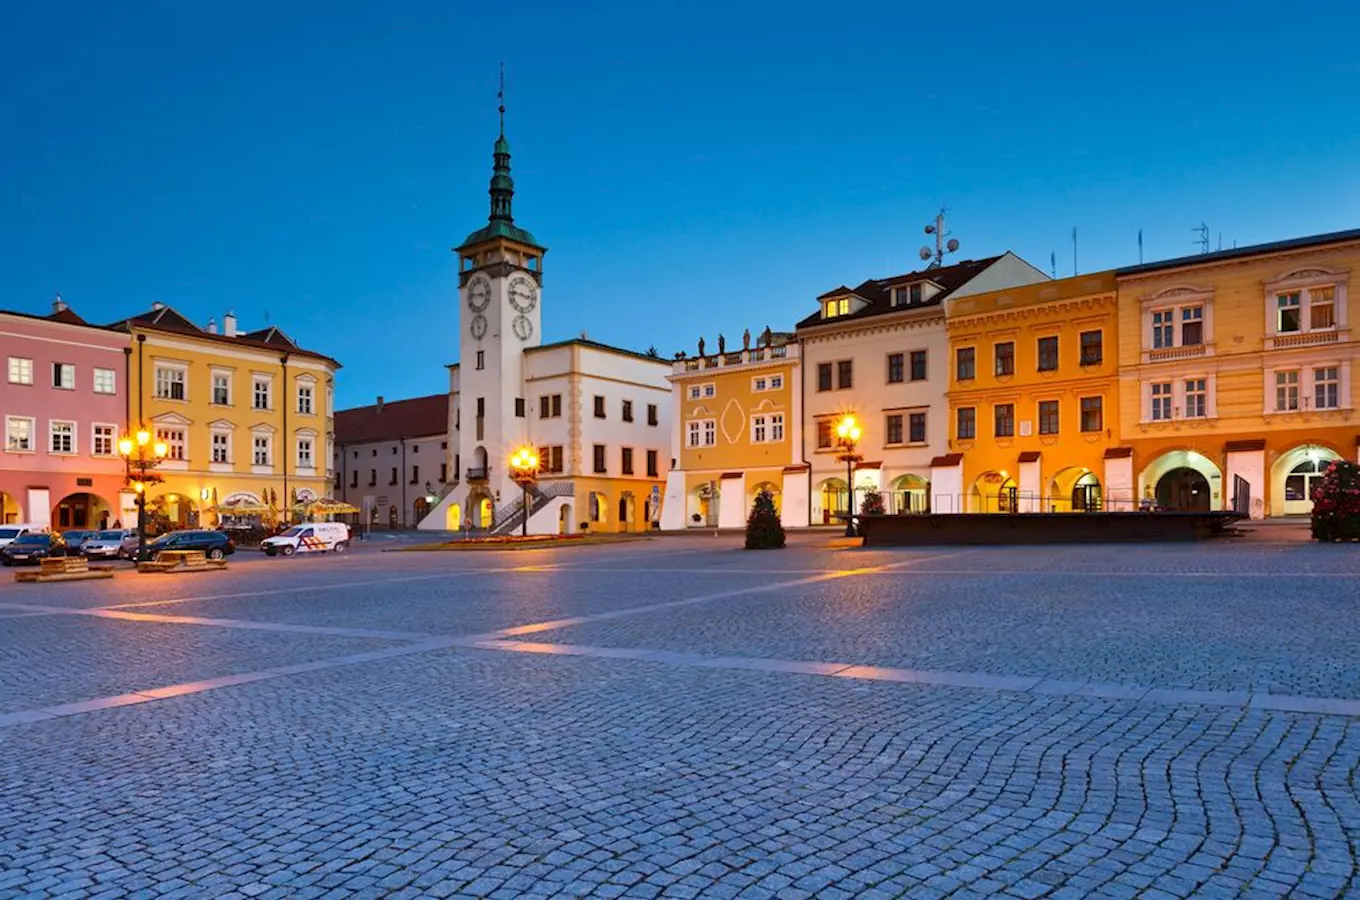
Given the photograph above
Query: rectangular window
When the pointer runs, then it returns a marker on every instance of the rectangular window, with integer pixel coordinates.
(896, 368)
(262, 455)
(63, 437)
(103, 440)
(64, 376)
(169, 383)
(20, 370)
(1003, 415)
(845, 370)
(557, 406)
(824, 376)
(1287, 312)
(221, 389)
(372, 473)
(759, 384)
(481, 407)
(835, 308)
(556, 458)
(1196, 398)
(221, 449)
(1325, 388)
(710, 390)
(776, 382)
(916, 427)
(695, 433)
(776, 427)
(19, 433)
(710, 433)
(696, 391)
(105, 381)
(965, 364)
(1092, 348)
(1005, 358)
(599, 460)
(823, 434)
(651, 414)
(261, 393)
(599, 407)
(1322, 308)
(628, 410)
(1048, 353)
(894, 429)
(415, 474)
(918, 365)
(354, 478)
(1048, 416)
(1287, 390)
(544, 407)
(651, 464)
(1092, 413)
(1192, 326)
(1161, 401)
(519, 408)
(394, 479)
(626, 463)
(966, 423)
(443, 472)
(759, 432)
(1163, 328)
(304, 398)
(304, 454)
(481, 360)
(914, 293)
(174, 441)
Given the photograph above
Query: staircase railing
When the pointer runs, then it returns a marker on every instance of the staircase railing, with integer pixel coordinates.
(511, 516)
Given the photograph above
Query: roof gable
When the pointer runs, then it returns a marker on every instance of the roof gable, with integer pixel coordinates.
(877, 292)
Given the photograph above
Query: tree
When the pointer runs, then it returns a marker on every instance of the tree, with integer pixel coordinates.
(763, 530)
(1336, 503)
(872, 505)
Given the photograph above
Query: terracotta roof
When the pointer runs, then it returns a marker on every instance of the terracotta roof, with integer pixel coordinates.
(949, 459)
(878, 291)
(169, 321)
(416, 417)
(66, 316)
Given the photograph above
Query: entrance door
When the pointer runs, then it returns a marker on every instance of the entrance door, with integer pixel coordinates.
(1184, 490)
(1299, 486)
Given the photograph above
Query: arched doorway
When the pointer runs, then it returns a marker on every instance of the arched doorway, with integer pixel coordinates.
(171, 512)
(627, 511)
(703, 506)
(422, 509)
(480, 463)
(598, 509)
(766, 487)
(1295, 476)
(10, 511)
(908, 495)
(82, 511)
(453, 521)
(564, 521)
(995, 492)
(1184, 489)
(486, 514)
(833, 493)
(1074, 489)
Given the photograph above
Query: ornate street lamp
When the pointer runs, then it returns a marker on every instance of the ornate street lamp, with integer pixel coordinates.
(524, 471)
(140, 457)
(848, 434)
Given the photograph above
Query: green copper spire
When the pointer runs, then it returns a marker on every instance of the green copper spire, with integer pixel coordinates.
(502, 221)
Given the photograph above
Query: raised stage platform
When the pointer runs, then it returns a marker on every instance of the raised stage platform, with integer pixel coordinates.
(1043, 528)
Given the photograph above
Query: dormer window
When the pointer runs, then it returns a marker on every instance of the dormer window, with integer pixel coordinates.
(836, 308)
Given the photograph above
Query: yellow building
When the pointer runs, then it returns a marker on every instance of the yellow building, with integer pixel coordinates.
(244, 416)
(737, 431)
(1033, 400)
(1235, 374)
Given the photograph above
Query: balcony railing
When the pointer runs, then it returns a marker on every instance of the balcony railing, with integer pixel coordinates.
(1303, 339)
(478, 474)
(1182, 352)
(737, 358)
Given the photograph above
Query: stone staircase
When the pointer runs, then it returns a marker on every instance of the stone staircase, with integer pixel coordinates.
(510, 517)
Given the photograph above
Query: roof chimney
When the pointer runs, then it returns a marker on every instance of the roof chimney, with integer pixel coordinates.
(380, 404)
(229, 323)
(58, 304)
(212, 326)
(158, 306)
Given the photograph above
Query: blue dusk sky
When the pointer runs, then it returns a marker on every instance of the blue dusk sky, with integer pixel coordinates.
(693, 167)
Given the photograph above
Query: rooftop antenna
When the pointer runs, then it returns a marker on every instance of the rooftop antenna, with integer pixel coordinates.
(941, 245)
(1074, 250)
(1203, 237)
(1140, 246)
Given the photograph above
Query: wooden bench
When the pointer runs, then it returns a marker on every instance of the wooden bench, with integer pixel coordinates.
(182, 561)
(64, 568)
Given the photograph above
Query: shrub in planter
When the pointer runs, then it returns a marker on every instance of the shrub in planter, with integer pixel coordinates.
(1336, 503)
(872, 505)
(763, 530)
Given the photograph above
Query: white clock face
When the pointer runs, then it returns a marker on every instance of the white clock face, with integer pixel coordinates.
(479, 294)
(523, 295)
(524, 329)
(479, 326)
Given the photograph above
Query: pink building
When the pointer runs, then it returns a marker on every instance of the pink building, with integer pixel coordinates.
(64, 401)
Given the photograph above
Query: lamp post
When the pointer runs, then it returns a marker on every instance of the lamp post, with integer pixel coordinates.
(141, 455)
(524, 471)
(848, 434)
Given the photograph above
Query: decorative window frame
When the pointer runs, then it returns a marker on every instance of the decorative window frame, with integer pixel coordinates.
(113, 440)
(268, 432)
(94, 380)
(52, 433)
(1178, 378)
(213, 373)
(1305, 280)
(32, 434)
(227, 428)
(1306, 368)
(1177, 297)
(305, 434)
(170, 365)
(304, 381)
(173, 420)
(267, 378)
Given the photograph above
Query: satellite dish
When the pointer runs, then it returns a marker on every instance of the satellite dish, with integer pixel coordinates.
(952, 245)
(930, 229)
(925, 253)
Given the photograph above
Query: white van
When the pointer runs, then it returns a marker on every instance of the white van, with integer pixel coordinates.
(315, 537)
(15, 530)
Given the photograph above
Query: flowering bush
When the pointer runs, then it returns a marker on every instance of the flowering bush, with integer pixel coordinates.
(1336, 503)
(872, 505)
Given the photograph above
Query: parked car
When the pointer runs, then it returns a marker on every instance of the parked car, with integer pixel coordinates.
(213, 543)
(75, 538)
(32, 547)
(14, 531)
(316, 537)
(120, 543)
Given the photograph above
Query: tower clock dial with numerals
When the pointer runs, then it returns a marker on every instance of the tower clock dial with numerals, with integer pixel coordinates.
(523, 327)
(523, 294)
(478, 294)
(478, 327)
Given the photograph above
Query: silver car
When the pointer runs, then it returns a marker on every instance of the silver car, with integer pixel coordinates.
(115, 544)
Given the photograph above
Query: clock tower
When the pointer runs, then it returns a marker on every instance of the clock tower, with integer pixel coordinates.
(500, 277)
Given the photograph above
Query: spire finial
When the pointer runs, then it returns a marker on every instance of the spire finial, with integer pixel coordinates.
(500, 96)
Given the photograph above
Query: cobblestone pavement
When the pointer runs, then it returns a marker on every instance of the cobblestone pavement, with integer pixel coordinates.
(679, 718)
